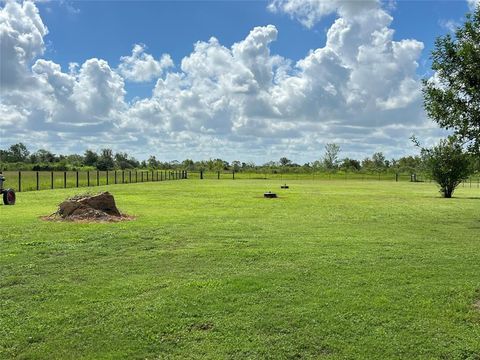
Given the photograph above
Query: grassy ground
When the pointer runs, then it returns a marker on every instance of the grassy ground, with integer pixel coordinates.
(210, 269)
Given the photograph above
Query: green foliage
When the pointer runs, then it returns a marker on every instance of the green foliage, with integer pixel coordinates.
(350, 165)
(90, 158)
(330, 159)
(448, 165)
(105, 160)
(15, 153)
(285, 161)
(452, 96)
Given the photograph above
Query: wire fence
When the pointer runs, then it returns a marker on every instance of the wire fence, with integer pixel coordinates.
(473, 181)
(43, 180)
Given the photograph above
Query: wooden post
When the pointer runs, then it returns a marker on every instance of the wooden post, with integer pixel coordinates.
(98, 178)
(129, 176)
(88, 177)
(141, 172)
(77, 179)
(107, 176)
(19, 181)
(123, 176)
(201, 174)
(115, 176)
(136, 176)
(233, 174)
(51, 179)
(64, 179)
(396, 177)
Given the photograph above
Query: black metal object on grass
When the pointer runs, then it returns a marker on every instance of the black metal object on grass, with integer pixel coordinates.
(7, 194)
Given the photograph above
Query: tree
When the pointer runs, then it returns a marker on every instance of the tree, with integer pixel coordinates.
(17, 153)
(90, 158)
(152, 162)
(379, 161)
(124, 161)
(236, 165)
(105, 160)
(43, 156)
(452, 95)
(330, 159)
(448, 165)
(351, 164)
(285, 162)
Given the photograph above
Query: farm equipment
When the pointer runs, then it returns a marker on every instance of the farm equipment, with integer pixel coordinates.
(7, 194)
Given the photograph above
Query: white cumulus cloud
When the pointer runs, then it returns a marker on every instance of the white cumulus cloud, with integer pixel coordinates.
(360, 89)
(141, 66)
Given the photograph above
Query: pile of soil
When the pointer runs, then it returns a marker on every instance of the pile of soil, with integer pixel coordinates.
(88, 207)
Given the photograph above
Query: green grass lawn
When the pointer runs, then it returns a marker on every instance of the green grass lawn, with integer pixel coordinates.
(210, 269)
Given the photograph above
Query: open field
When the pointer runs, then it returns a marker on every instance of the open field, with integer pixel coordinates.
(211, 270)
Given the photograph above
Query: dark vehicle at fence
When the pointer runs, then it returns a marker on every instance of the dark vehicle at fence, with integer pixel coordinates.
(7, 194)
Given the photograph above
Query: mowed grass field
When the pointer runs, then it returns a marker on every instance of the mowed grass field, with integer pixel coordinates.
(212, 270)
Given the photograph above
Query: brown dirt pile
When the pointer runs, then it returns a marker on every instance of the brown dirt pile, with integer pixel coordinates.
(88, 207)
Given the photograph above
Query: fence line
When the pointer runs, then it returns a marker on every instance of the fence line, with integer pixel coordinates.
(42, 180)
(473, 181)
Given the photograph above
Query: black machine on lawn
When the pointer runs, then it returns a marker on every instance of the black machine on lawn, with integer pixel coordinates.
(8, 194)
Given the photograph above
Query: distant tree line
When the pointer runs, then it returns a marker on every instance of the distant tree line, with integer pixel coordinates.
(18, 157)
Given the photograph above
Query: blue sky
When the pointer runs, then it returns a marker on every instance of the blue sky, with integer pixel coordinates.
(80, 30)
(187, 108)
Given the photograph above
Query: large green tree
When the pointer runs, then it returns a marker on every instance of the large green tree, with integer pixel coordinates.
(452, 95)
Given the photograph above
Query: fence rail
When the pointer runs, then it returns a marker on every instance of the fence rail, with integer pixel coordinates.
(43, 180)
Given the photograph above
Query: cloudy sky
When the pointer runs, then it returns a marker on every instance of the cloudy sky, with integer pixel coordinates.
(247, 80)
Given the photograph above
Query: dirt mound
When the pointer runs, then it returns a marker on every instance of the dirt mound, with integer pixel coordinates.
(88, 207)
